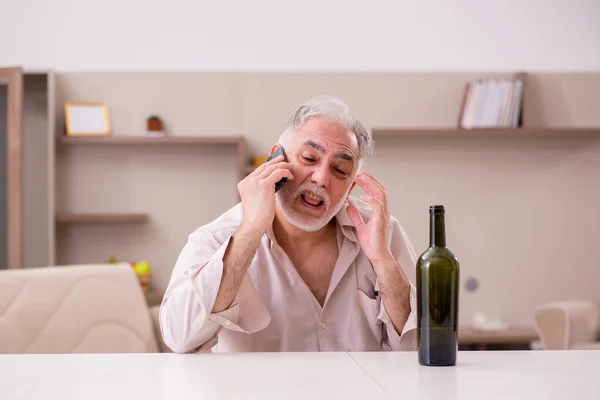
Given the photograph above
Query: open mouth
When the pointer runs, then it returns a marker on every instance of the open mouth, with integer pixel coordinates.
(311, 199)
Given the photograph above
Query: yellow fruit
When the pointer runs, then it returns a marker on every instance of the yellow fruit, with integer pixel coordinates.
(142, 267)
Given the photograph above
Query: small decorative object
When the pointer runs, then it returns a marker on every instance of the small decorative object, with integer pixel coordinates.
(86, 119)
(155, 126)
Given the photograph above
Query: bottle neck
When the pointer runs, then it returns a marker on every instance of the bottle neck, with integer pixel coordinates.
(437, 230)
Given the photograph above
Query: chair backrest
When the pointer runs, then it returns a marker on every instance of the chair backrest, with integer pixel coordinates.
(564, 324)
(96, 308)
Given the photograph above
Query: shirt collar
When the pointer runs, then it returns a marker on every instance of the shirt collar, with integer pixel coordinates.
(344, 221)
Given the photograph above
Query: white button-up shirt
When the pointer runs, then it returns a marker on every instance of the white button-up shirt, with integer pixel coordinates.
(274, 310)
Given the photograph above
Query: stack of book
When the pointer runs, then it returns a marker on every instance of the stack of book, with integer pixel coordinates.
(492, 103)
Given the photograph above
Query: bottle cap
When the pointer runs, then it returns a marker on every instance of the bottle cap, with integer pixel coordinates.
(436, 209)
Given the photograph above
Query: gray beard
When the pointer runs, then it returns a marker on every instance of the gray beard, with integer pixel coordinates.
(285, 199)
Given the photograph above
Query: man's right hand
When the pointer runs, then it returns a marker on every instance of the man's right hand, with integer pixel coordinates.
(257, 192)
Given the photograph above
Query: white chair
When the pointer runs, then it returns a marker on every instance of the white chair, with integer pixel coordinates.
(97, 308)
(569, 325)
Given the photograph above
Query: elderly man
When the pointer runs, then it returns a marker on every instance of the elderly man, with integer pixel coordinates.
(306, 268)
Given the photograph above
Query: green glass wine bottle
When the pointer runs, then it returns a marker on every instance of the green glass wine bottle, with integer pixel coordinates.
(437, 297)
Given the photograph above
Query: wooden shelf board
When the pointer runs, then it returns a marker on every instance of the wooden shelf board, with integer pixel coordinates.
(486, 132)
(100, 218)
(149, 140)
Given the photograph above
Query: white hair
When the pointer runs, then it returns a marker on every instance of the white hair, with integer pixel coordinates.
(330, 108)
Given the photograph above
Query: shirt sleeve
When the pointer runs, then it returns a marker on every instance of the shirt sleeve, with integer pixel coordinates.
(407, 339)
(186, 319)
(406, 258)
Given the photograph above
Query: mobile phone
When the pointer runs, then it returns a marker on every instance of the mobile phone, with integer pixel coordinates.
(276, 153)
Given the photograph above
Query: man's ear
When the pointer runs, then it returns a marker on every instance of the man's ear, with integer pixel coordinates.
(273, 148)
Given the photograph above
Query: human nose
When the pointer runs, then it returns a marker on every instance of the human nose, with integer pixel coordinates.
(320, 176)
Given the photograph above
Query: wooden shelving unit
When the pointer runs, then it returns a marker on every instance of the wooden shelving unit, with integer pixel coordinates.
(100, 218)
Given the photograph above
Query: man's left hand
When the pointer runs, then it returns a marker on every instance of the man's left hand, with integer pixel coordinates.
(372, 236)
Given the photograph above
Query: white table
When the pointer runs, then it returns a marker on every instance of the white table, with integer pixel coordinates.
(181, 377)
(488, 375)
(478, 375)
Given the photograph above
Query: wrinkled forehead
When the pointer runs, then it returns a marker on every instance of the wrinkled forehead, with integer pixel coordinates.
(329, 133)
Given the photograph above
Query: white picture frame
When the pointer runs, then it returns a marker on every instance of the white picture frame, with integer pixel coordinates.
(87, 119)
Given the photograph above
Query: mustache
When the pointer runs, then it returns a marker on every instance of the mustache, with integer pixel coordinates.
(311, 187)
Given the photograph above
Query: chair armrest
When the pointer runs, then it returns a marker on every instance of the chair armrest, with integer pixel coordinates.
(568, 324)
(154, 315)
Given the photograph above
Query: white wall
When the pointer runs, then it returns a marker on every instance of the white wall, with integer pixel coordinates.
(301, 34)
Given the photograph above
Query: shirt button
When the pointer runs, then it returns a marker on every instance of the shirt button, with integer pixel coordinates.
(324, 325)
(227, 322)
